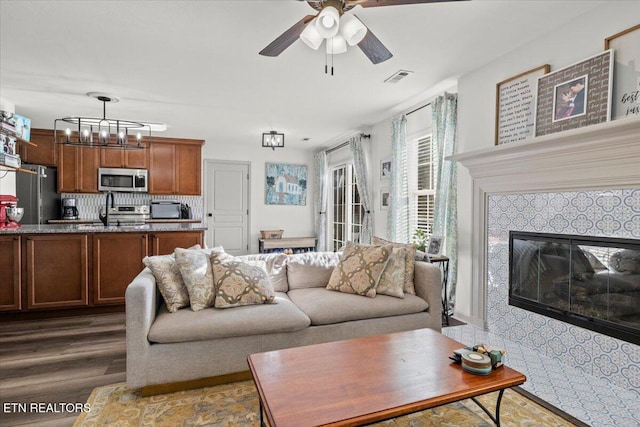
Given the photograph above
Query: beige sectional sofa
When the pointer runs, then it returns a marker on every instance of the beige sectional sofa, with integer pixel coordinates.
(165, 347)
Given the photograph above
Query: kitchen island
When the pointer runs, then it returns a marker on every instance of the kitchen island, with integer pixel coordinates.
(53, 270)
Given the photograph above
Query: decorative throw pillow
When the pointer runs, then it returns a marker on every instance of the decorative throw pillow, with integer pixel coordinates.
(359, 269)
(169, 281)
(392, 279)
(195, 268)
(240, 282)
(410, 262)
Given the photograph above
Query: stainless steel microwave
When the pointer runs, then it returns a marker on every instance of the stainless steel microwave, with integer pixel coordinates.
(124, 180)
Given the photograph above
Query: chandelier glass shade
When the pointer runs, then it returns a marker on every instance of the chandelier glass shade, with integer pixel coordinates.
(273, 140)
(101, 132)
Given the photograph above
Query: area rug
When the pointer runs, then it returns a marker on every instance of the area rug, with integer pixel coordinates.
(236, 404)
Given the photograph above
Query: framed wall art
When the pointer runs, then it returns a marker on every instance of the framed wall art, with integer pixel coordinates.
(516, 105)
(385, 169)
(385, 199)
(575, 96)
(626, 72)
(285, 184)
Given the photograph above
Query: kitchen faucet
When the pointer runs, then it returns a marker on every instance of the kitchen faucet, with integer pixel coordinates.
(105, 218)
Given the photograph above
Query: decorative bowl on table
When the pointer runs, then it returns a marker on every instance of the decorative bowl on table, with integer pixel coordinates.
(15, 213)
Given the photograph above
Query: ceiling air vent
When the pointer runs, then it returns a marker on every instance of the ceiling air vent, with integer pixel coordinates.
(398, 75)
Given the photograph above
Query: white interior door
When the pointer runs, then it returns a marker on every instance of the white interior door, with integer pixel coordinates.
(227, 206)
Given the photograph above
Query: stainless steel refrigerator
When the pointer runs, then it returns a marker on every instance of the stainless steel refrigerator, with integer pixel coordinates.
(37, 194)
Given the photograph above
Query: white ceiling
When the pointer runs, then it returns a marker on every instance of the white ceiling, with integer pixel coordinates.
(195, 65)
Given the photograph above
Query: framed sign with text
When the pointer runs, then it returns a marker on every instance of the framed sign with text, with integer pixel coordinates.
(626, 72)
(515, 106)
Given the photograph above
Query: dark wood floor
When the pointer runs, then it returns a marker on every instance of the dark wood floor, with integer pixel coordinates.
(57, 361)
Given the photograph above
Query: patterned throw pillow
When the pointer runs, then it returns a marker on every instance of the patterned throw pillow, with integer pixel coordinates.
(240, 282)
(359, 269)
(169, 281)
(410, 262)
(195, 268)
(392, 279)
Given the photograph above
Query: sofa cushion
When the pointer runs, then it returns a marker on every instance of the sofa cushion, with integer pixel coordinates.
(213, 323)
(195, 268)
(169, 281)
(410, 259)
(237, 282)
(392, 280)
(327, 307)
(310, 269)
(359, 269)
(276, 268)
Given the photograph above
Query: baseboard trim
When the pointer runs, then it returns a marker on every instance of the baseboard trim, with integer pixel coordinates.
(153, 390)
(549, 407)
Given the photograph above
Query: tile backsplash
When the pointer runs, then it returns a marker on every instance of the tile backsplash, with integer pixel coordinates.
(89, 204)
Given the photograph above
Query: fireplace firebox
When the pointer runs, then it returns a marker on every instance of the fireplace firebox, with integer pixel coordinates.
(591, 282)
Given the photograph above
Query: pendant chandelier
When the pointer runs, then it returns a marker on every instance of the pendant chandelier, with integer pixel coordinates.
(102, 132)
(273, 140)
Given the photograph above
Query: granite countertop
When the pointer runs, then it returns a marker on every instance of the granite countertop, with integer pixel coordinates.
(99, 228)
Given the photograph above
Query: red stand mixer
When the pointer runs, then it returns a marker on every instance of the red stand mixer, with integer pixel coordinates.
(5, 202)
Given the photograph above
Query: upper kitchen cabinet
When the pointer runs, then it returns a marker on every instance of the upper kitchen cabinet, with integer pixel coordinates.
(78, 169)
(175, 166)
(45, 150)
(130, 158)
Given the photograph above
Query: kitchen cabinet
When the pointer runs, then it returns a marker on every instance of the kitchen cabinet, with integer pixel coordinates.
(175, 166)
(78, 169)
(56, 270)
(11, 268)
(43, 151)
(165, 243)
(130, 158)
(117, 260)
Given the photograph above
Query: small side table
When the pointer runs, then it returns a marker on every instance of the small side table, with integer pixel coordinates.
(443, 262)
(297, 244)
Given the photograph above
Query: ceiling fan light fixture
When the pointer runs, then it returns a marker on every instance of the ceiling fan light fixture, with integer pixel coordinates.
(336, 45)
(310, 36)
(328, 22)
(352, 29)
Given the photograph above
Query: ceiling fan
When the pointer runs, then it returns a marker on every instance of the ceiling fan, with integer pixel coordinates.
(339, 29)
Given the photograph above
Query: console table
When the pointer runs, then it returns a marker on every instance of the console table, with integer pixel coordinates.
(296, 244)
(443, 261)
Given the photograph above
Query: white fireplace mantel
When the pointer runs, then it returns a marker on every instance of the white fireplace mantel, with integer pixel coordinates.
(602, 156)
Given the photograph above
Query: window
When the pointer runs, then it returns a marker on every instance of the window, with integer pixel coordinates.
(346, 207)
(422, 183)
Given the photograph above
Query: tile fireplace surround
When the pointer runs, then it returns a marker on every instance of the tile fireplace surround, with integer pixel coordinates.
(583, 182)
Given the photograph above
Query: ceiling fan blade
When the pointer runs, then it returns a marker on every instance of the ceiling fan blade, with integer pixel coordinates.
(373, 47)
(376, 3)
(287, 38)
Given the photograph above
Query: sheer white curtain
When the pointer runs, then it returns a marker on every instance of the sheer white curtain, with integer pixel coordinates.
(320, 200)
(362, 180)
(445, 113)
(398, 222)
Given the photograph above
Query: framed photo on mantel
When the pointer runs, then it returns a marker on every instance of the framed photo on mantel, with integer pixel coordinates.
(516, 104)
(575, 96)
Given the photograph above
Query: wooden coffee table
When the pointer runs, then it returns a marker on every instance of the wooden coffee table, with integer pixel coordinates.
(360, 381)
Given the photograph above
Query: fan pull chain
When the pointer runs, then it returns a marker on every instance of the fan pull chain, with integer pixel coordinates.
(326, 69)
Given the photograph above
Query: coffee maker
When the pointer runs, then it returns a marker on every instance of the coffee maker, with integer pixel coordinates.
(69, 208)
(7, 202)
